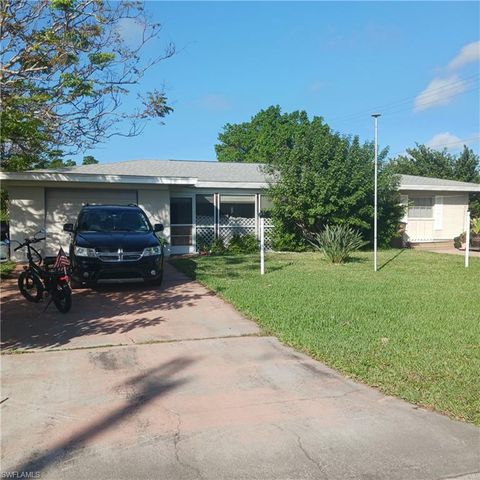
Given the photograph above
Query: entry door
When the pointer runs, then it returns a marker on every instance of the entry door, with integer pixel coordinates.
(181, 236)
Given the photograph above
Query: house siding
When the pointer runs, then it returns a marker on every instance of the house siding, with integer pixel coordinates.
(156, 204)
(448, 219)
(27, 216)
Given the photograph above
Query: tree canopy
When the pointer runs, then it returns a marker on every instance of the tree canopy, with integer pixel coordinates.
(67, 66)
(321, 177)
(89, 160)
(258, 140)
(428, 162)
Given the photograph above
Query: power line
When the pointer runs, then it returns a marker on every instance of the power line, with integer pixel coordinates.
(469, 81)
(464, 141)
(391, 113)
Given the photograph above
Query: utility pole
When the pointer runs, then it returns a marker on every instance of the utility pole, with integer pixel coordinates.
(375, 201)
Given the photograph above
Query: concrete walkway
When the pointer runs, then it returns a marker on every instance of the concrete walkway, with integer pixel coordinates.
(215, 401)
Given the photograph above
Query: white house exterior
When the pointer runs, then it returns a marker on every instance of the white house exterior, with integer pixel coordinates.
(436, 207)
(197, 201)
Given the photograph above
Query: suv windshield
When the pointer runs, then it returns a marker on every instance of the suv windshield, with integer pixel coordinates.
(112, 220)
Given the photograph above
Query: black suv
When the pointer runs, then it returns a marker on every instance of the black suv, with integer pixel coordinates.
(114, 243)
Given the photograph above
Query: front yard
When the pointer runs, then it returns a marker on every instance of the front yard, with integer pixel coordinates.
(412, 329)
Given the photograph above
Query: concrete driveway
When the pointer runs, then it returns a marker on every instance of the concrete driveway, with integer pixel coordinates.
(211, 399)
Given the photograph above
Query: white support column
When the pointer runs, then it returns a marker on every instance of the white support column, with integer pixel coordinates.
(257, 217)
(216, 215)
(262, 246)
(467, 238)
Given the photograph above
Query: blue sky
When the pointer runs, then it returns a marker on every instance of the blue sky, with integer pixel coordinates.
(418, 61)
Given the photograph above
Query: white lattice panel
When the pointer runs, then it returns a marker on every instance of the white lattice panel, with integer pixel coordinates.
(205, 235)
(204, 220)
(237, 221)
(227, 233)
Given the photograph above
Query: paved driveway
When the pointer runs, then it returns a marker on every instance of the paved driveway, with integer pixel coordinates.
(212, 399)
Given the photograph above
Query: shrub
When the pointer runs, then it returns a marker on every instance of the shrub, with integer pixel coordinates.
(243, 244)
(6, 268)
(457, 241)
(217, 247)
(203, 247)
(338, 242)
(476, 226)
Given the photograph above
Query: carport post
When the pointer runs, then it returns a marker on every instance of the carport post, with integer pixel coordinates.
(467, 237)
(262, 245)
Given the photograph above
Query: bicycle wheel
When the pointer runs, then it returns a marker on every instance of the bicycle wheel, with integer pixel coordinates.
(63, 298)
(30, 286)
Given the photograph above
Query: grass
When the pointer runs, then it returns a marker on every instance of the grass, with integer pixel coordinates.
(412, 329)
(6, 268)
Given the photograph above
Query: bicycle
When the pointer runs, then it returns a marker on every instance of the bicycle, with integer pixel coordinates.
(35, 281)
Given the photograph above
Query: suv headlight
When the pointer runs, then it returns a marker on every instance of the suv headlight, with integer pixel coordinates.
(84, 252)
(148, 252)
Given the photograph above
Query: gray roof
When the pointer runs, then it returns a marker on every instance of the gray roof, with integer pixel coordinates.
(205, 171)
(414, 182)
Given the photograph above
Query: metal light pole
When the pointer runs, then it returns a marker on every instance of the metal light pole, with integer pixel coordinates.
(375, 263)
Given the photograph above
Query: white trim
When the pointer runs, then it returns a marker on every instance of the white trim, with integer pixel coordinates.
(242, 185)
(438, 213)
(432, 188)
(94, 178)
(404, 203)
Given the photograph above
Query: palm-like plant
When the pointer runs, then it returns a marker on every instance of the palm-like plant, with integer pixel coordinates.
(337, 242)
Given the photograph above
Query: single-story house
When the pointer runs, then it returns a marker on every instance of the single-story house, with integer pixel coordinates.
(197, 200)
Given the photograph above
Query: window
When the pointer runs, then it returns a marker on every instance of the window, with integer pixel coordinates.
(420, 207)
(266, 203)
(237, 206)
(204, 209)
(112, 220)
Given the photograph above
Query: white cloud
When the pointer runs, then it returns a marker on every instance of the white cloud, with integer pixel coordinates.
(468, 54)
(130, 30)
(214, 102)
(444, 140)
(440, 91)
(451, 142)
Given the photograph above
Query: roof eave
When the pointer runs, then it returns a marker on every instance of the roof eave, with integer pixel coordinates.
(439, 188)
(95, 178)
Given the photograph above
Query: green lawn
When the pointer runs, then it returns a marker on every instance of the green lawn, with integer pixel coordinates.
(412, 329)
(6, 268)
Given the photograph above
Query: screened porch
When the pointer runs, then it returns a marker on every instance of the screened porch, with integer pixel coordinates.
(197, 219)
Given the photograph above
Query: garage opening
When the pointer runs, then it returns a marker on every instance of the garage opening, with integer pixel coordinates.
(62, 205)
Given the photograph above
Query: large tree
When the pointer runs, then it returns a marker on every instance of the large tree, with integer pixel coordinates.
(258, 140)
(66, 67)
(425, 162)
(324, 178)
(321, 177)
(428, 162)
(467, 166)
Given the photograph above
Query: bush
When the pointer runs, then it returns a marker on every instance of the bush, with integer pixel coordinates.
(6, 268)
(338, 242)
(457, 241)
(476, 226)
(217, 247)
(242, 244)
(203, 247)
